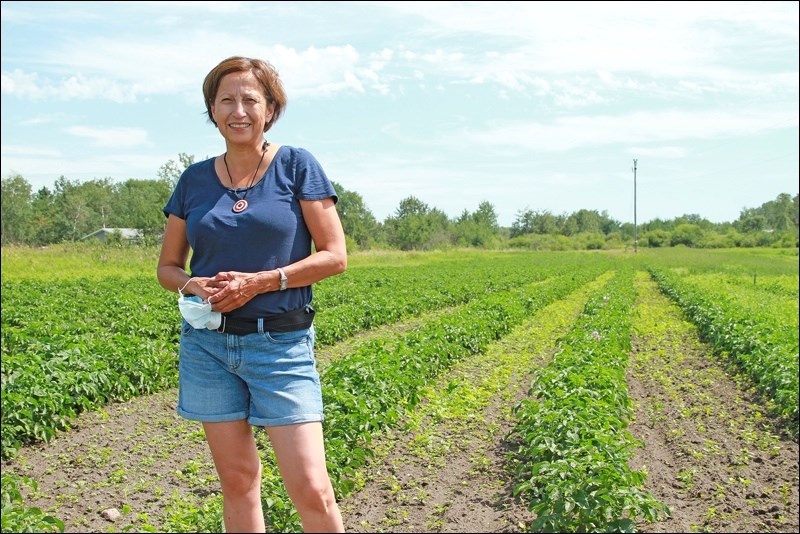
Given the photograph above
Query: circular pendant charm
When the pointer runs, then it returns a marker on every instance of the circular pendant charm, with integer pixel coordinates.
(240, 206)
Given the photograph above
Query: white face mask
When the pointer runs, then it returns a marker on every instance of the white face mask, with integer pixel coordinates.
(198, 313)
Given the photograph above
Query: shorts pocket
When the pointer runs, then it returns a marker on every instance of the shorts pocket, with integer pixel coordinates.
(288, 338)
(186, 328)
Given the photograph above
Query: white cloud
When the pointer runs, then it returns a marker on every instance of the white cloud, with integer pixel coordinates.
(13, 150)
(568, 133)
(111, 137)
(43, 168)
(545, 42)
(667, 152)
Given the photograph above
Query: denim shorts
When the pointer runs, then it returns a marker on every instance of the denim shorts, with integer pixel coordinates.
(267, 378)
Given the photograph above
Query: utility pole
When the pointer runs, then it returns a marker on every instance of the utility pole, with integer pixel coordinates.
(635, 231)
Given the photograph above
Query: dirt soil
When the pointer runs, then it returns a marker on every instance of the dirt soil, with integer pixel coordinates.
(711, 453)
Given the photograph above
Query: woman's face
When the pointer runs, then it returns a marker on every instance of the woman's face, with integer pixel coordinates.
(241, 109)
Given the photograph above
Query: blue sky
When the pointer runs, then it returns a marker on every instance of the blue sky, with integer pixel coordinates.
(526, 105)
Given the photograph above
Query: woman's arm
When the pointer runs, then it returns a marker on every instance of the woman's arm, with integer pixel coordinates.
(171, 269)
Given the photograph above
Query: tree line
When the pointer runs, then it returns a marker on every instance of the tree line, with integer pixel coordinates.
(73, 210)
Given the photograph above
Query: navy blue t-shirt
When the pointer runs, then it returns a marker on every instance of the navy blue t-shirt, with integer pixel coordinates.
(270, 233)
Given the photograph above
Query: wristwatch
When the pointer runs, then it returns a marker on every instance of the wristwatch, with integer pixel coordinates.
(284, 280)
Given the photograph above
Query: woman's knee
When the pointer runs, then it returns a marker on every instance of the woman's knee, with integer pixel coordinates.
(240, 479)
(316, 495)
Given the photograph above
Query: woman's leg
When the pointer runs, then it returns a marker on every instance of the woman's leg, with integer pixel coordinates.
(233, 448)
(300, 452)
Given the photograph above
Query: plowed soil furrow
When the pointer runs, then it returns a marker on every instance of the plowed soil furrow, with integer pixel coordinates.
(710, 453)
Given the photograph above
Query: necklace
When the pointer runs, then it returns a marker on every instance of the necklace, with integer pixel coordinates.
(241, 203)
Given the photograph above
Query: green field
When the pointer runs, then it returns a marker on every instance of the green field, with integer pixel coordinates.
(86, 328)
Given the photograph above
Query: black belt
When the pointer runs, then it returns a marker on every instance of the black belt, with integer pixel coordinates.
(290, 321)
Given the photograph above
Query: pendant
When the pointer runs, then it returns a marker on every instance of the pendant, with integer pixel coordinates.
(240, 206)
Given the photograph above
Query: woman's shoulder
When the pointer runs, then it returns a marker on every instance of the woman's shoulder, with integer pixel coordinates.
(201, 165)
(291, 151)
(197, 174)
(297, 157)
(198, 168)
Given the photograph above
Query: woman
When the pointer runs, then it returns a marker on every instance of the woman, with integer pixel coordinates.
(249, 218)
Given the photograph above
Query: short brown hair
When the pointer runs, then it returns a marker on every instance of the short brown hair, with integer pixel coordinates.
(265, 73)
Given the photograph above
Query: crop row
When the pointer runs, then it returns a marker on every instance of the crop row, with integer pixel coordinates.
(572, 458)
(762, 342)
(362, 299)
(769, 297)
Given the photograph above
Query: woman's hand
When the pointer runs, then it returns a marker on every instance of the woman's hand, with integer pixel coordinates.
(232, 290)
(202, 286)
